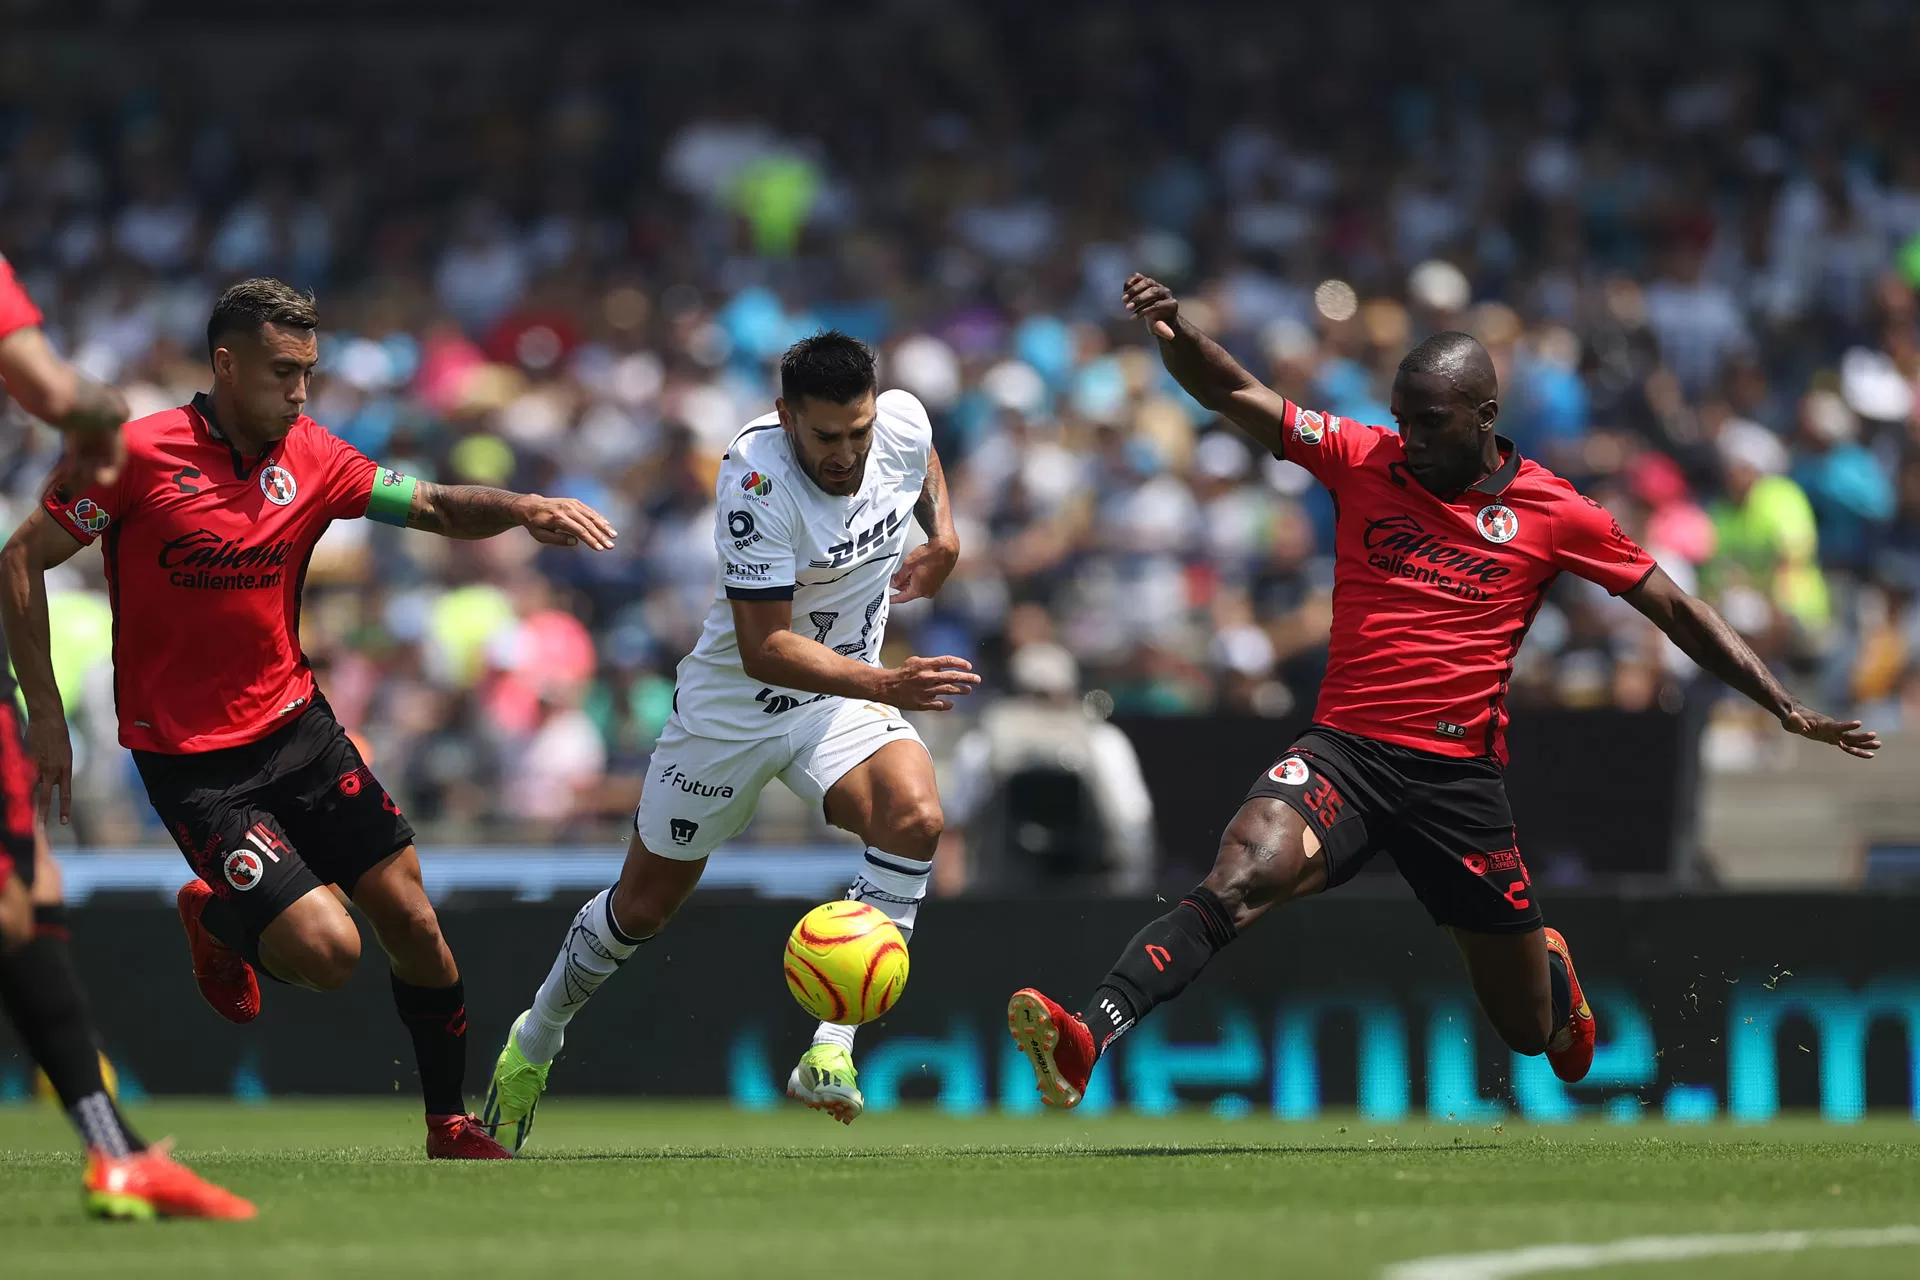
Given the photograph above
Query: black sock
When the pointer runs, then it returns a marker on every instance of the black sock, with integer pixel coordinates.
(1158, 964)
(1562, 990)
(42, 996)
(224, 922)
(436, 1017)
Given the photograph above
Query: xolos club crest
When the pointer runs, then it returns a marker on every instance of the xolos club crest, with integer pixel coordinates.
(1497, 523)
(278, 484)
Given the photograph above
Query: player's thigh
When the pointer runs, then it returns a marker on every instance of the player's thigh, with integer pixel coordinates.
(871, 774)
(338, 814)
(312, 941)
(700, 792)
(1456, 846)
(1268, 855)
(241, 850)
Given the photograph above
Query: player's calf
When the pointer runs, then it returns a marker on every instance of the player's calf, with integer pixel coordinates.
(312, 944)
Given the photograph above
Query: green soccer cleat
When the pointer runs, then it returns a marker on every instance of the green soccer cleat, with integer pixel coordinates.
(513, 1093)
(826, 1081)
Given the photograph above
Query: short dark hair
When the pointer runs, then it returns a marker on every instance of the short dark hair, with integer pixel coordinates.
(1460, 359)
(247, 306)
(828, 365)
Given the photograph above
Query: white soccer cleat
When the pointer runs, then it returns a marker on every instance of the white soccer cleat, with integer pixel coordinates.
(826, 1081)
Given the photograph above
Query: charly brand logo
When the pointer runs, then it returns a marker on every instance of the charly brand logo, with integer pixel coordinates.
(1402, 548)
(278, 484)
(1497, 523)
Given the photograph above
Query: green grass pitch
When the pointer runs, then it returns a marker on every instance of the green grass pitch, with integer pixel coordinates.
(664, 1190)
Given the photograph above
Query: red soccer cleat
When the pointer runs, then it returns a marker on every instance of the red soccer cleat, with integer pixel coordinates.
(226, 981)
(151, 1184)
(1057, 1043)
(1570, 1050)
(461, 1138)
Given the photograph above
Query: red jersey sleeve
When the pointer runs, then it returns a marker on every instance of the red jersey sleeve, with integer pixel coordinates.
(16, 308)
(1588, 541)
(349, 474)
(87, 515)
(1327, 446)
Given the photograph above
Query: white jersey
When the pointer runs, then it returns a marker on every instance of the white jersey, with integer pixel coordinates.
(779, 538)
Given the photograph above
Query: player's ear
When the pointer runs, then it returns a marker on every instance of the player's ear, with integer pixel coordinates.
(786, 414)
(1488, 411)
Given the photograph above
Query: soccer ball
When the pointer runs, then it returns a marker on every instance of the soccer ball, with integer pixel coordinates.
(846, 962)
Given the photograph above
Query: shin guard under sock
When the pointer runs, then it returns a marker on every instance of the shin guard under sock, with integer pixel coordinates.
(1158, 964)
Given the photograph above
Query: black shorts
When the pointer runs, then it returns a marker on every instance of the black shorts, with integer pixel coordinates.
(1443, 821)
(267, 822)
(17, 776)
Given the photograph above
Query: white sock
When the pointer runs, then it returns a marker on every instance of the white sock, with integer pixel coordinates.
(895, 885)
(594, 948)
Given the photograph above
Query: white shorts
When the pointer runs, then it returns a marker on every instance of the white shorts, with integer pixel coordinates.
(701, 792)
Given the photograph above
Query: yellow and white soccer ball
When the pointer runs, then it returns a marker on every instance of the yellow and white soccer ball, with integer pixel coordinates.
(846, 962)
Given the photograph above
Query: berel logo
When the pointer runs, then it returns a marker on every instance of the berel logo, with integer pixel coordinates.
(1292, 771)
(243, 869)
(1497, 523)
(278, 484)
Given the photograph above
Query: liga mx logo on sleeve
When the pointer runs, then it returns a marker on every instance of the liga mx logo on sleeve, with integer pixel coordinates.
(278, 484)
(1309, 426)
(756, 484)
(1497, 523)
(89, 515)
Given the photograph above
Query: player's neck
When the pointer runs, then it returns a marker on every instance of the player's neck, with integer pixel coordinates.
(224, 420)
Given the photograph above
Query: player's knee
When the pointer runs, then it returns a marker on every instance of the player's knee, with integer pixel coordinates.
(1253, 871)
(639, 913)
(414, 933)
(326, 957)
(914, 830)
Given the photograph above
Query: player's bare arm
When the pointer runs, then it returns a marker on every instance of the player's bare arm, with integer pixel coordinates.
(771, 651)
(36, 546)
(1703, 635)
(926, 567)
(87, 412)
(473, 511)
(1201, 365)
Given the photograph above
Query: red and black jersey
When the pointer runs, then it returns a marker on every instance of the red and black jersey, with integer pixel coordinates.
(206, 552)
(1432, 596)
(16, 308)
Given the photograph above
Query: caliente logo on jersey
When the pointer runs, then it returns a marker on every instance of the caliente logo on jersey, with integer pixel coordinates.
(278, 484)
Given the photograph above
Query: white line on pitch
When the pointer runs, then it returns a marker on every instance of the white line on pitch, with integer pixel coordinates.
(1539, 1258)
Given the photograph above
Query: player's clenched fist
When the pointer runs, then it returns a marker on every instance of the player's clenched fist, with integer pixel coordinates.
(565, 522)
(929, 684)
(1152, 302)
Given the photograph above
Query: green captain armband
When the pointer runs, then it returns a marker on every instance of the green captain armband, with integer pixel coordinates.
(392, 498)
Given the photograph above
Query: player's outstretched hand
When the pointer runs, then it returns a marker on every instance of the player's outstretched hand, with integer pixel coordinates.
(1152, 302)
(565, 522)
(52, 755)
(924, 571)
(930, 684)
(90, 458)
(1848, 735)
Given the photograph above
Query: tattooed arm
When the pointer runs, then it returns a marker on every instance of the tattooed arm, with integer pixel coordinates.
(926, 567)
(472, 511)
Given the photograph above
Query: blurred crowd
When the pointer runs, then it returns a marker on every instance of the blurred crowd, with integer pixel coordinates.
(567, 265)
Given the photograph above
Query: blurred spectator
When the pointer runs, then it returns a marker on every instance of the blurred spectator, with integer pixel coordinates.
(569, 266)
(1048, 793)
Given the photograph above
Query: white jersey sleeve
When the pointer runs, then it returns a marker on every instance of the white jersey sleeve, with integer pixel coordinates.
(753, 530)
(913, 430)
